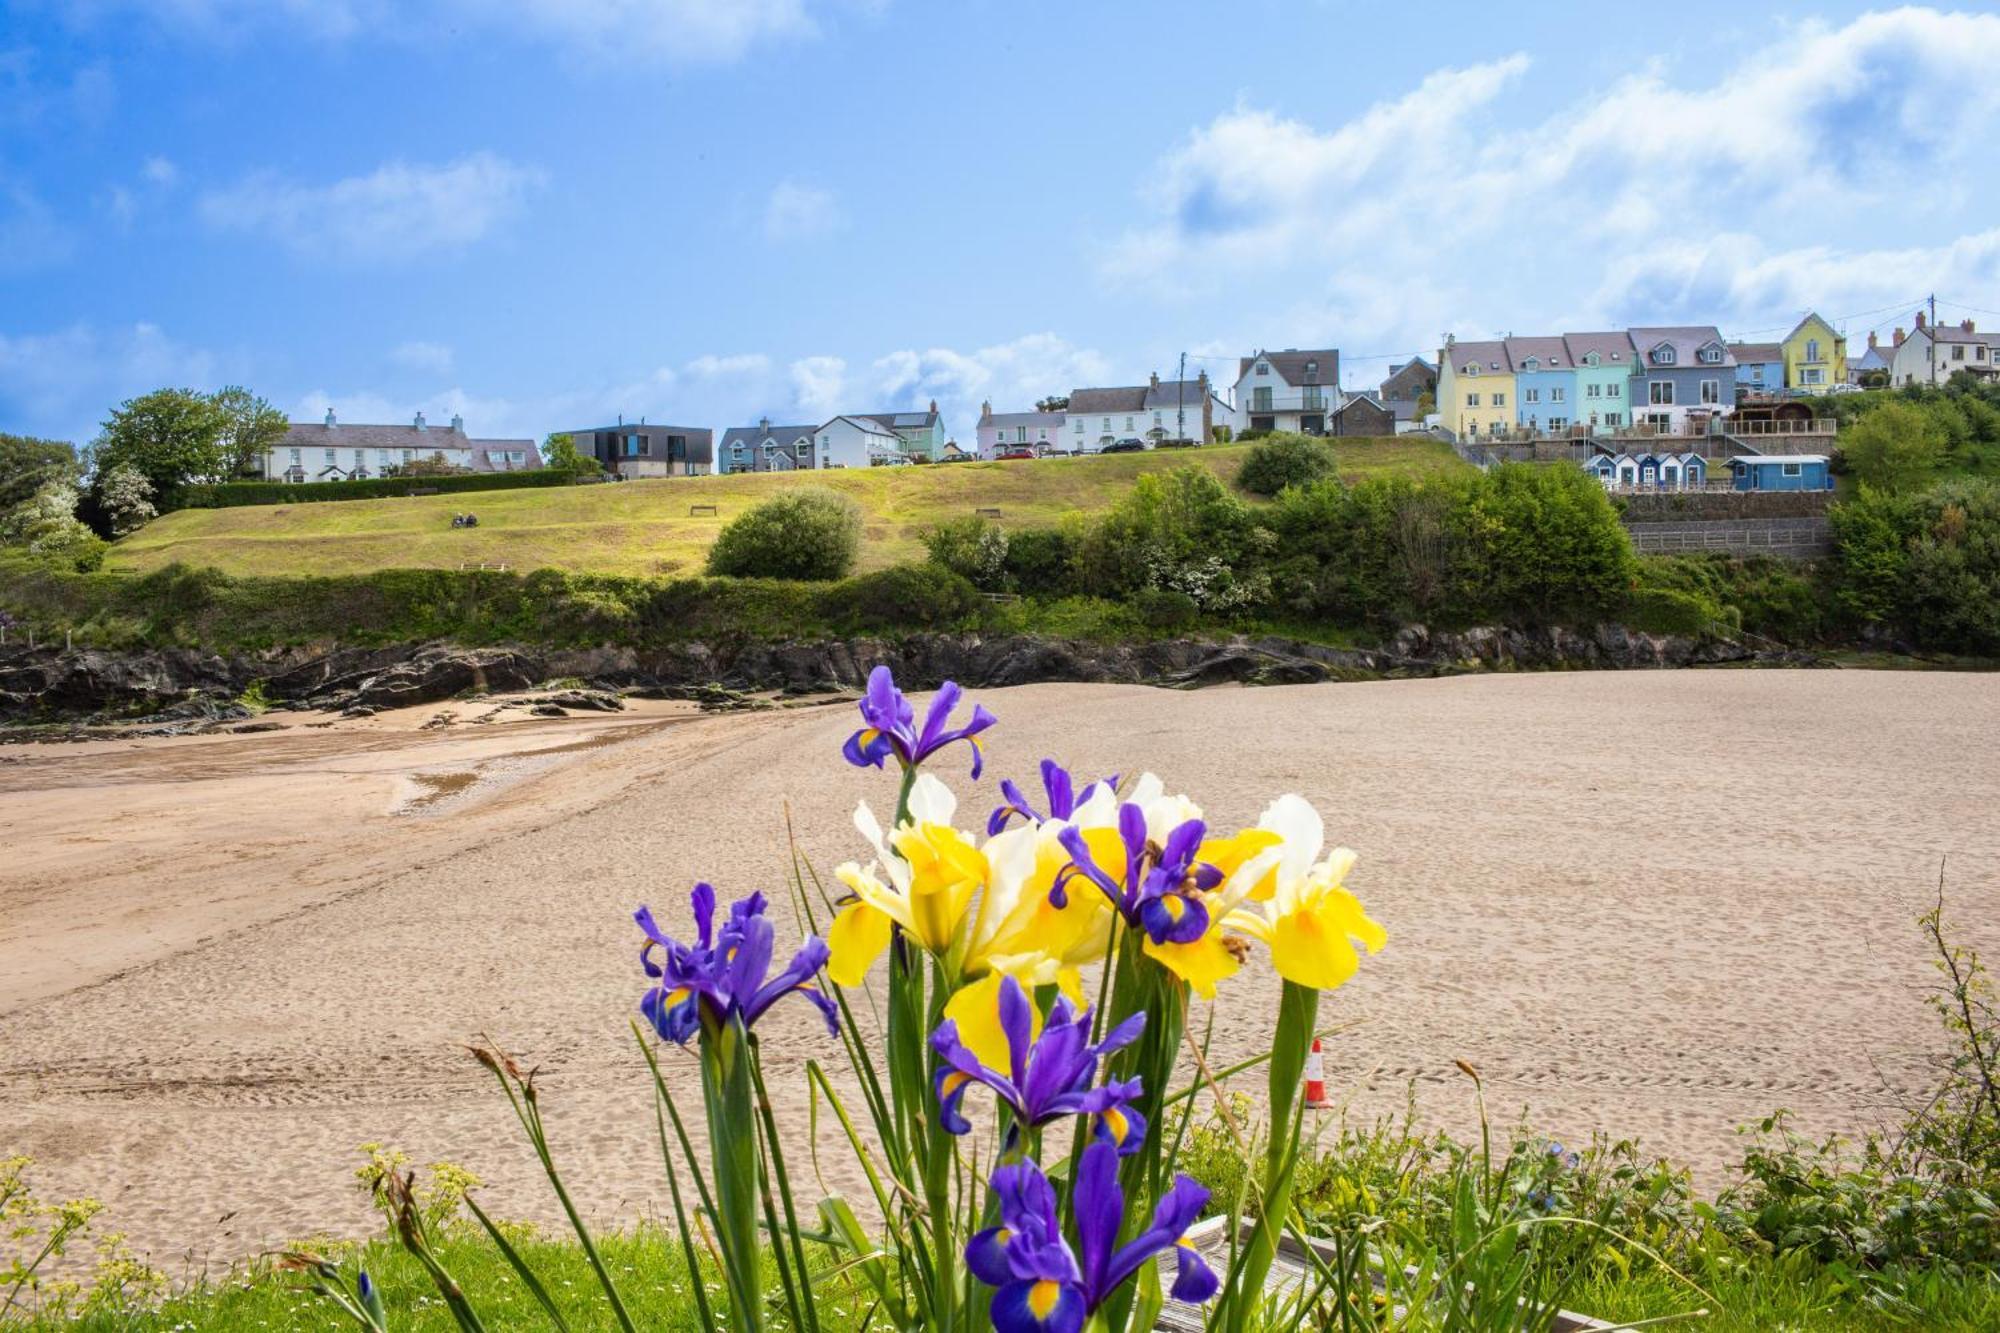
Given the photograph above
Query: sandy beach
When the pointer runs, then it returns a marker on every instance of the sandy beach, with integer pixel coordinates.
(1653, 904)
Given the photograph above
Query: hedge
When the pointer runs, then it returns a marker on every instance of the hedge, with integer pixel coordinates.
(230, 494)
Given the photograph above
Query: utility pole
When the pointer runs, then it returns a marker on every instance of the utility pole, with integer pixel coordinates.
(1180, 400)
(1934, 341)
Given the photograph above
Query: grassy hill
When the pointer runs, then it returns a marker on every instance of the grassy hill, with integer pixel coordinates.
(644, 527)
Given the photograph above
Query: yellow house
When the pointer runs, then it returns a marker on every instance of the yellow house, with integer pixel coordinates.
(1476, 389)
(1815, 356)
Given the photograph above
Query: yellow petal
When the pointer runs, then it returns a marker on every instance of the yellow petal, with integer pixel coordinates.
(976, 1010)
(1312, 946)
(857, 937)
(1200, 964)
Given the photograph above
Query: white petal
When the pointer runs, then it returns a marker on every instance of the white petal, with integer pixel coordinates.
(931, 802)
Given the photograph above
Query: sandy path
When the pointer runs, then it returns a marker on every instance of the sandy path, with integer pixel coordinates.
(1655, 904)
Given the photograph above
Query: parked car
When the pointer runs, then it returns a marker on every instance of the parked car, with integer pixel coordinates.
(1015, 454)
(1124, 447)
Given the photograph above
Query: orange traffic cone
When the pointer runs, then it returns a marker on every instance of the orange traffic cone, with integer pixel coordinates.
(1315, 1077)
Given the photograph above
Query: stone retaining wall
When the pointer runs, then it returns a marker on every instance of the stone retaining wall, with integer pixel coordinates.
(1791, 538)
(1699, 506)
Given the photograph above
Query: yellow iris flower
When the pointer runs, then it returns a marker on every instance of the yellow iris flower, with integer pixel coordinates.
(1307, 917)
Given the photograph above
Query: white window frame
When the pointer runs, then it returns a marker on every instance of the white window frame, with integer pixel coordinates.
(1711, 393)
(1791, 469)
(1654, 396)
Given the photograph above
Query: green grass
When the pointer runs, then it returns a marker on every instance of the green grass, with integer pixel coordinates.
(644, 527)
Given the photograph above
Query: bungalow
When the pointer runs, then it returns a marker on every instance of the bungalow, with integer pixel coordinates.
(1017, 430)
(1289, 390)
(649, 451)
(766, 448)
(1155, 412)
(332, 451)
(1677, 386)
(1407, 385)
(1361, 414)
(1781, 472)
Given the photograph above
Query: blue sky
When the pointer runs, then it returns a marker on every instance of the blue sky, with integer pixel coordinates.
(545, 213)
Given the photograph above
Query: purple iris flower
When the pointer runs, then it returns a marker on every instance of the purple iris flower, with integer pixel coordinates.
(1045, 1286)
(1158, 888)
(1047, 1077)
(722, 975)
(1063, 797)
(891, 726)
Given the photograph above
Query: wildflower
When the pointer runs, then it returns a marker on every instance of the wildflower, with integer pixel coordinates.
(1063, 797)
(722, 975)
(1307, 918)
(1044, 1285)
(891, 730)
(1042, 1076)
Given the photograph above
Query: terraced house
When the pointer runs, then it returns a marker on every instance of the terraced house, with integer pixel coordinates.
(336, 451)
(1684, 379)
(1603, 364)
(1476, 389)
(1151, 413)
(1289, 390)
(1544, 383)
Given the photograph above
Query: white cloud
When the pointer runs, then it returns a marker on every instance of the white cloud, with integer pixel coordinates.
(1725, 194)
(160, 171)
(795, 211)
(819, 386)
(1012, 375)
(398, 211)
(62, 384)
(428, 357)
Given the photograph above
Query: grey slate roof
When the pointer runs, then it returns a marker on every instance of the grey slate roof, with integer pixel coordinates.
(1085, 402)
(1751, 353)
(1170, 394)
(753, 436)
(1023, 419)
(1613, 348)
(1551, 353)
(430, 440)
(1686, 340)
(1290, 364)
(1491, 356)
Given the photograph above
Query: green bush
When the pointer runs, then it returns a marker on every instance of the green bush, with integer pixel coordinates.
(230, 494)
(1278, 461)
(902, 597)
(1673, 611)
(1922, 565)
(808, 533)
(1181, 530)
(1768, 597)
(1041, 562)
(1165, 609)
(972, 548)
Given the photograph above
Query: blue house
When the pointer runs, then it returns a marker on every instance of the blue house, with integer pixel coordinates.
(1544, 383)
(1781, 472)
(1760, 367)
(1685, 379)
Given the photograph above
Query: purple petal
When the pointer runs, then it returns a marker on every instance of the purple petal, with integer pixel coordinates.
(1176, 1212)
(703, 901)
(1100, 1211)
(1017, 1020)
(1037, 1305)
(933, 734)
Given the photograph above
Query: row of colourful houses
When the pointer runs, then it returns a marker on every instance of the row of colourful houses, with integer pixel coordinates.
(1676, 379)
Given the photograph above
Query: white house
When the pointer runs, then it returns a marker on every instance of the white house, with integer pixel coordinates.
(335, 451)
(1289, 390)
(1017, 430)
(856, 442)
(1933, 355)
(1151, 413)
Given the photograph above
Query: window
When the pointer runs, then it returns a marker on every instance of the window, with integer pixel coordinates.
(1531, 365)
(1591, 358)
(1263, 369)
(1079, 425)
(1128, 423)
(1958, 352)
(1663, 356)
(330, 458)
(295, 458)
(1710, 356)
(1531, 395)
(1472, 367)
(409, 455)
(1614, 418)
(1472, 400)
(1812, 349)
(1813, 375)
(1711, 391)
(1556, 394)
(382, 458)
(1020, 435)
(1757, 373)
(1660, 393)
(1499, 400)
(1791, 469)
(1107, 423)
(1592, 390)
(1614, 390)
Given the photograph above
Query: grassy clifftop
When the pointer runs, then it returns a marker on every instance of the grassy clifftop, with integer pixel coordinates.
(645, 527)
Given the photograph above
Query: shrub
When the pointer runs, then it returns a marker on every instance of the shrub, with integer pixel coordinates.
(1041, 561)
(1285, 460)
(972, 548)
(902, 597)
(1182, 530)
(1165, 609)
(809, 533)
(1925, 565)
(1896, 447)
(230, 494)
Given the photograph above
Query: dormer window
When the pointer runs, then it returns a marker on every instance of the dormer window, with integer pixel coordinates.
(1711, 355)
(1663, 356)
(1531, 364)
(1472, 367)
(1590, 359)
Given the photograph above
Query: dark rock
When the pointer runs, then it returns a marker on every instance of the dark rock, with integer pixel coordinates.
(548, 710)
(594, 701)
(258, 726)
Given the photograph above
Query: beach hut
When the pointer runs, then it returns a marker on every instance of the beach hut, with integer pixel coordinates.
(1627, 470)
(1780, 472)
(1604, 467)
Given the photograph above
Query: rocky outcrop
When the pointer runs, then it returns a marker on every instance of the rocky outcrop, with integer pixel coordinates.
(176, 685)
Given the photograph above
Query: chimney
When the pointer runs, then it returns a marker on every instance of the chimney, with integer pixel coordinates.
(933, 407)
(1871, 341)
(985, 409)
(330, 422)
(458, 423)
(764, 423)
(1899, 339)
(1920, 319)
(420, 421)
(1156, 379)
(1967, 326)
(1201, 378)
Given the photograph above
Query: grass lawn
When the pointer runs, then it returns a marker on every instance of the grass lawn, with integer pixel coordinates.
(644, 527)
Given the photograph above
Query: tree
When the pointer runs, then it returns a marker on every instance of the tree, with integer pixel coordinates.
(253, 428)
(169, 436)
(126, 499)
(560, 454)
(808, 533)
(1427, 403)
(47, 526)
(28, 463)
(1053, 403)
(1895, 448)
